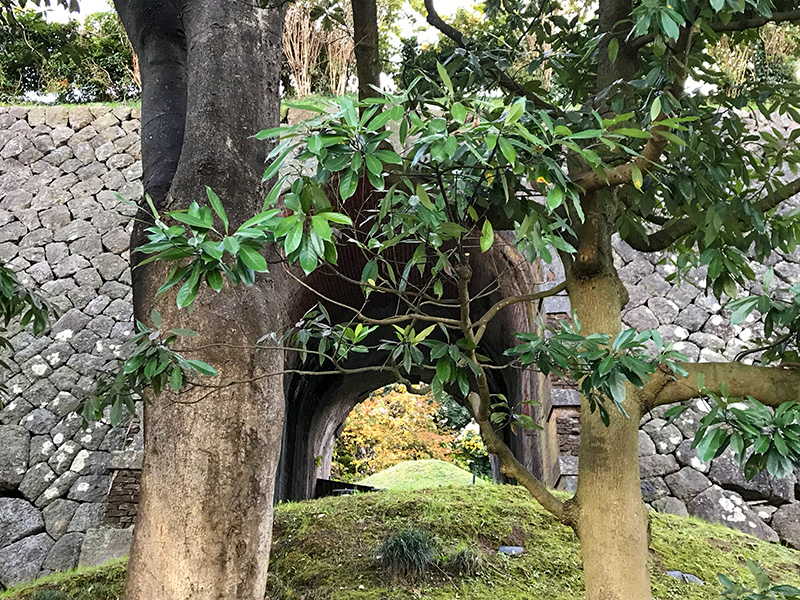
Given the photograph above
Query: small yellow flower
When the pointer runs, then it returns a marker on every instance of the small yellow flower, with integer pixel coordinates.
(541, 179)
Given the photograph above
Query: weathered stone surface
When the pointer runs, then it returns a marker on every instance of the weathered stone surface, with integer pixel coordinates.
(727, 473)
(722, 506)
(39, 421)
(687, 483)
(646, 445)
(653, 488)
(59, 489)
(104, 543)
(665, 437)
(87, 516)
(18, 519)
(91, 462)
(36, 480)
(80, 117)
(62, 459)
(58, 515)
(90, 488)
(786, 523)
(65, 553)
(14, 449)
(657, 465)
(671, 506)
(21, 561)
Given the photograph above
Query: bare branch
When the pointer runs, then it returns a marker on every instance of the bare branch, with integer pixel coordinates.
(482, 323)
(365, 319)
(770, 385)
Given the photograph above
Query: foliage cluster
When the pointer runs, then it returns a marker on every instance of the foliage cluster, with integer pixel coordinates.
(79, 62)
(389, 427)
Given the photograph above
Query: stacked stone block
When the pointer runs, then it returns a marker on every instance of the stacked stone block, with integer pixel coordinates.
(66, 233)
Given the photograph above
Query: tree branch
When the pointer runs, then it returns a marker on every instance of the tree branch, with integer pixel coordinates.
(720, 27)
(769, 385)
(501, 304)
(503, 78)
(664, 238)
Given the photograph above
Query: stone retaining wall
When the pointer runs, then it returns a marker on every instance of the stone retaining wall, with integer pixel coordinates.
(64, 230)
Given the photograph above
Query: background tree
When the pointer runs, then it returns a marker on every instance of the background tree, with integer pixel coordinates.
(389, 427)
(79, 62)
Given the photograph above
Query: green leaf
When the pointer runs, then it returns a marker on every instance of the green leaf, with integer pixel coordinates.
(176, 379)
(321, 226)
(655, 109)
(636, 177)
(424, 199)
(444, 77)
(669, 26)
(214, 280)
(348, 184)
(253, 259)
(613, 49)
(508, 150)
(203, 367)
(188, 291)
(155, 317)
(555, 197)
(370, 272)
(515, 112)
(459, 112)
(217, 206)
(487, 236)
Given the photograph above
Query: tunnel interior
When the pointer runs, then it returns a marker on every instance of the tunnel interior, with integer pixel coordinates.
(317, 405)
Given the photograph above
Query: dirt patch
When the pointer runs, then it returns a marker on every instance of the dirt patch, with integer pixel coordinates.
(720, 544)
(517, 537)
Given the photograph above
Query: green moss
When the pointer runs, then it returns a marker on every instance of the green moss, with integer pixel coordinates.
(420, 474)
(86, 583)
(324, 550)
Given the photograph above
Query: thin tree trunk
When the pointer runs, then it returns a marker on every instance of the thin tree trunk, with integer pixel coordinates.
(368, 60)
(609, 515)
(205, 514)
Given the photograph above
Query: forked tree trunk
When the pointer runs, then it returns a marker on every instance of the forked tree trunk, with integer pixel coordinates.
(607, 511)
(205, 515)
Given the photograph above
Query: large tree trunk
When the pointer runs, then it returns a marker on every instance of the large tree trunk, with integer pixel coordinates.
(205, 514)
(368, 60)
(607, 512)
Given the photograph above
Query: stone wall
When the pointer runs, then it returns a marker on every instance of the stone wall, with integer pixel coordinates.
(63, 229)
(673, 479)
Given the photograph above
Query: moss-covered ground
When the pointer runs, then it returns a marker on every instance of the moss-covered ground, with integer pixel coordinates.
(324, 550)
(421, 474)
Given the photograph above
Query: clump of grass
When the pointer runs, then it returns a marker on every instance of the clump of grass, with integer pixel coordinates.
(465, 561)
(407, 555)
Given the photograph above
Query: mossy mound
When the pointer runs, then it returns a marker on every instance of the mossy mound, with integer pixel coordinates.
(324, 550)
(421, 474)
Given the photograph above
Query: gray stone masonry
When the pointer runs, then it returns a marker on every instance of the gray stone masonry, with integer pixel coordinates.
(64, 231)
